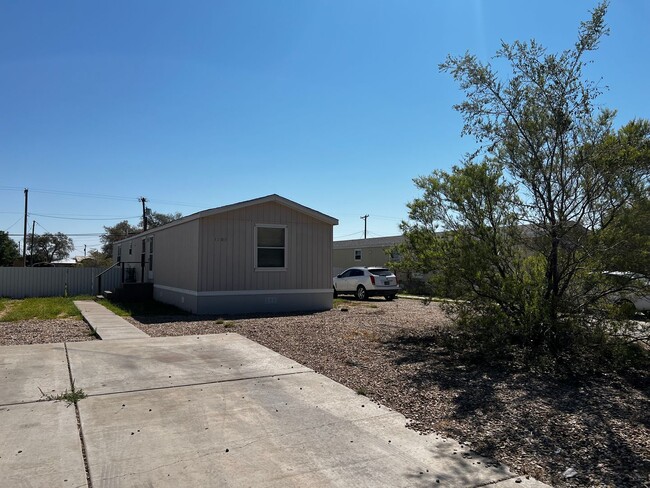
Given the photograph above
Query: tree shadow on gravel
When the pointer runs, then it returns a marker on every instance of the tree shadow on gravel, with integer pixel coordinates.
(595, 424)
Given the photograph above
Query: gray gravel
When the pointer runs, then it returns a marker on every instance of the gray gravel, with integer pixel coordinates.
(44, 331)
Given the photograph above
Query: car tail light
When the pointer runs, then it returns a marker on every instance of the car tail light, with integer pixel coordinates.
(372, 279)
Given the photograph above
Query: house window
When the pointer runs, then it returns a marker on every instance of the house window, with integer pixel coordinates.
(119, 253)
(130, 248)
(270, 247)
(357, 254)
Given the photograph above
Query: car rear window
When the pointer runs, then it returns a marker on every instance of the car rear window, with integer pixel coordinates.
(381, 272)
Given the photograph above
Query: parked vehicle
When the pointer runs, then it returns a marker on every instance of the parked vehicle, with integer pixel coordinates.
(366, 282)
(638, 300)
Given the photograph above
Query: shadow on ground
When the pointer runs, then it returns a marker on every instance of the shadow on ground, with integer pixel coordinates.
(597, 425)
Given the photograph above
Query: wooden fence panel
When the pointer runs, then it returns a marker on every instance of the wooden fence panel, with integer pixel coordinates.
(52, 282)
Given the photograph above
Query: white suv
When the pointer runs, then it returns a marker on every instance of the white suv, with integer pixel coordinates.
(366, 282)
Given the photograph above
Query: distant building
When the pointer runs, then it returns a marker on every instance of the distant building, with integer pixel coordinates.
(363, 252)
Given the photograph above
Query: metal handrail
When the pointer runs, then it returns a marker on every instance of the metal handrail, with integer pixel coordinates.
(107, 270)
(119, 263)
(99, 277)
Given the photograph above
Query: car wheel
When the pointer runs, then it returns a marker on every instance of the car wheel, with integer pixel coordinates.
(335, 293)
(361, 293)
(389, 297)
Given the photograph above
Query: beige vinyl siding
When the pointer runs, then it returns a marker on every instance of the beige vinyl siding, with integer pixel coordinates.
(227, 250)
(176, 257)
(370, 256)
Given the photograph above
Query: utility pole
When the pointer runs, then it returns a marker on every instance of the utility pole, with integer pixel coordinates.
(144, 213)
(25, 232)
(365, 225)
(84, 250)
(31, 250)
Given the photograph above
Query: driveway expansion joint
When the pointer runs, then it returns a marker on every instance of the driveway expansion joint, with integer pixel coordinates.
(84, 452)
(201, 383)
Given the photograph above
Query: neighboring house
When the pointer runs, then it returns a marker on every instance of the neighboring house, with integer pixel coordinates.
(363, 252)
(60, 263)
(269, 254)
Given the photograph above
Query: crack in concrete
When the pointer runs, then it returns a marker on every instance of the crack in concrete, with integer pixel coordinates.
(489, 483)
(84, 453)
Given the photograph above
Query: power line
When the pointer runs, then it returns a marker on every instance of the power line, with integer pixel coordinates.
(101, 196)
(39, 224)
(383, 217)
(348, 235)
(72, 217)
(84, 195)
(19, 219)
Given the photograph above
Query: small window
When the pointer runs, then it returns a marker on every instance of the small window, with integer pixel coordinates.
(357, 254)
(130, 248)
(270, 247)
(119, 253)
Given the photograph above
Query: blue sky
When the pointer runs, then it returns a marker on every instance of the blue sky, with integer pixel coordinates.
(337, 105)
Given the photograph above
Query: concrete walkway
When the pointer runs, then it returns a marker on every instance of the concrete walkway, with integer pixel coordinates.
(106, 324)
(204, 411)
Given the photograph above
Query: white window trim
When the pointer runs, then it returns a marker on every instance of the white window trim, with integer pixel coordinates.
(360, 255)
(286, 246)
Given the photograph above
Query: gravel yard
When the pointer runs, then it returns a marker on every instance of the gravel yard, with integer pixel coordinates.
(538, 426)
(44, 331)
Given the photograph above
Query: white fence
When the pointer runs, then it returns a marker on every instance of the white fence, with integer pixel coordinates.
(53, 282)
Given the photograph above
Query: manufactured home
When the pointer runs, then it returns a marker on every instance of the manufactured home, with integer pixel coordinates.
(374, 251)
(269, 254)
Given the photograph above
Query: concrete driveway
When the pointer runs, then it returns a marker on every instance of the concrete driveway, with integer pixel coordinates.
(214, 410)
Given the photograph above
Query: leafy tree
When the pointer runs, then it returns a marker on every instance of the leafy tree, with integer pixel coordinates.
(156, 219)
(518, 227)
(50, 247)
(96, 259)
(627, 239)
(123, 229)
(115, 233)
(8, 250)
